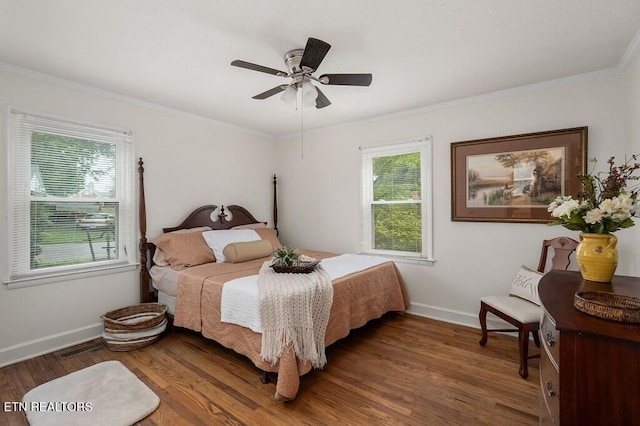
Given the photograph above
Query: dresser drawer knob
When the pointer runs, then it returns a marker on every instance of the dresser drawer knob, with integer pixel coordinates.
(550, 390)
(550, 340)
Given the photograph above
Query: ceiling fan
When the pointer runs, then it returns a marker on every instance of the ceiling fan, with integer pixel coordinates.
(301, 64)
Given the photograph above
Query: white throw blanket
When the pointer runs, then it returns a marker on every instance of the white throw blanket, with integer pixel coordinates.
(294, 309)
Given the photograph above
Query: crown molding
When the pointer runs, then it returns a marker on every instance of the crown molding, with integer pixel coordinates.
(464, 101)
(630, 55)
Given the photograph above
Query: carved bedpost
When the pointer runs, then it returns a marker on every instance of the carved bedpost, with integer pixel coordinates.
(275, 204)
(145, 294)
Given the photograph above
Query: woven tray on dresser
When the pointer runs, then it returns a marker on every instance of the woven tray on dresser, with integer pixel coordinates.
(611, 306)
(134, 327)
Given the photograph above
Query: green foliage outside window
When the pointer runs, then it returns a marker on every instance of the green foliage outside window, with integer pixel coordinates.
(396, 209)
(64, 165)
(398, 227)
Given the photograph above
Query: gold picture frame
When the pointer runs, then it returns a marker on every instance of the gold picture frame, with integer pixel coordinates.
(514, 178)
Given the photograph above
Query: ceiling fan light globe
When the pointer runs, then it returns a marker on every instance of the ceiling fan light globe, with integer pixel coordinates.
(289, 96)
(309, 95)
(309, 91)
(308, 102)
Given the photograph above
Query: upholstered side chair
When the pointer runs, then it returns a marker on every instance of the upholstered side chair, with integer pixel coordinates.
(524, 311)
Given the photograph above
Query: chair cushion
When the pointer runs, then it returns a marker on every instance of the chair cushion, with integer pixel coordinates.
(525, 285)
(517, 308)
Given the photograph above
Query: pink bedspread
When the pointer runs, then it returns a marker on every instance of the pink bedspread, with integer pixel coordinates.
(357, 299)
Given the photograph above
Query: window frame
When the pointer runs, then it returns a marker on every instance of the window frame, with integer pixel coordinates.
(424, 148)
(19, 198)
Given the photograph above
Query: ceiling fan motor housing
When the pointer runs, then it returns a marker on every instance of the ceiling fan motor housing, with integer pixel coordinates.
(292, 59)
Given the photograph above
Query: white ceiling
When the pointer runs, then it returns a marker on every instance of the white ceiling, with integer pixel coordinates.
(177, 53)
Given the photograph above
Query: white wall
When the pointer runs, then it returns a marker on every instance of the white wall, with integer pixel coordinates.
(632, 91)
(319, 201)
(189, 161)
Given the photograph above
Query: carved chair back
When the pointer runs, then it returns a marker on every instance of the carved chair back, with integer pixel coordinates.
(562, 247)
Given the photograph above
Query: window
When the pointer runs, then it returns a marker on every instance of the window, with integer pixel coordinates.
(396, 200)
(71, 198)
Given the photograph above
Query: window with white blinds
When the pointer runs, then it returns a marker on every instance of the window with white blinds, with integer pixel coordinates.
(396, 200)
(71, 198)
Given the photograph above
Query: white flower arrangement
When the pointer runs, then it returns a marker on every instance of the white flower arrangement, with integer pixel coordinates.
(606, 204)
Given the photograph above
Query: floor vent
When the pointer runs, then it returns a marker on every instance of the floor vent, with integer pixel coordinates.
(80, 349)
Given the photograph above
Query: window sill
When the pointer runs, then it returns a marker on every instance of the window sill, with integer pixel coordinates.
(415, 260)
(68, 276)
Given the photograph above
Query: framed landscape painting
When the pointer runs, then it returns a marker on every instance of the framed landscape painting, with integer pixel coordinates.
(514, 178)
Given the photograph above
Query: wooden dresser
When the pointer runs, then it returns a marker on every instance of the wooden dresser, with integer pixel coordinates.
(589, 367)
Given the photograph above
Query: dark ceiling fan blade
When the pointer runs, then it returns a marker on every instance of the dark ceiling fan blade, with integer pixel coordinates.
(256, 67)
(314, 53)
(346, 79)
(322, 101)
(271, 92)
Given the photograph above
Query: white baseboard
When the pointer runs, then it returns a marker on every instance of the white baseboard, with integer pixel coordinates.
(454, 317)
(48, 344)
(45, 345)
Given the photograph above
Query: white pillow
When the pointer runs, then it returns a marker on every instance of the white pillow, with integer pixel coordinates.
(525, 285)
(218, 240)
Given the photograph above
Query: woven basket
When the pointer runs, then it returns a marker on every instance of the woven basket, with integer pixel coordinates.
(129, 346)
(129, 341)
(138, 317)
(611, 306)
(134, 327)
(301, 267)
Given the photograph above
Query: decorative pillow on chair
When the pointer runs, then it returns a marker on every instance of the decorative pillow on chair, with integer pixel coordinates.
(525, 285)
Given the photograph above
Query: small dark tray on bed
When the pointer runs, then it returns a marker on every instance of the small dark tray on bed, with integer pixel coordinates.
(302, 267)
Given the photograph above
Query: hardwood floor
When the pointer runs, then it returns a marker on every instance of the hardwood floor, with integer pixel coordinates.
(402, 369)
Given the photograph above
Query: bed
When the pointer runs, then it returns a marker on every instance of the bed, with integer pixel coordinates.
(191, 284)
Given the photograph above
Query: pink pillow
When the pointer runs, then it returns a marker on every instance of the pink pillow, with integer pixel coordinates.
(159, 257)
(183, 250)
(258, 225)
(269, 234)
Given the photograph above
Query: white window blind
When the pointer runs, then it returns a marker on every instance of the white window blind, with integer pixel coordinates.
(71, 197)
(396, 199)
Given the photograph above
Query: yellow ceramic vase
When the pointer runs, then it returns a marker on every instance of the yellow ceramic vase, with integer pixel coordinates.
(597, 256)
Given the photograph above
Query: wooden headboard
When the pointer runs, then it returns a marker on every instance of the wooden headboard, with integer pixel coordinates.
(202, 216)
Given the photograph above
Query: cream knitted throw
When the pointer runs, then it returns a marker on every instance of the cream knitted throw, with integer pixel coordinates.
(294, 309)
